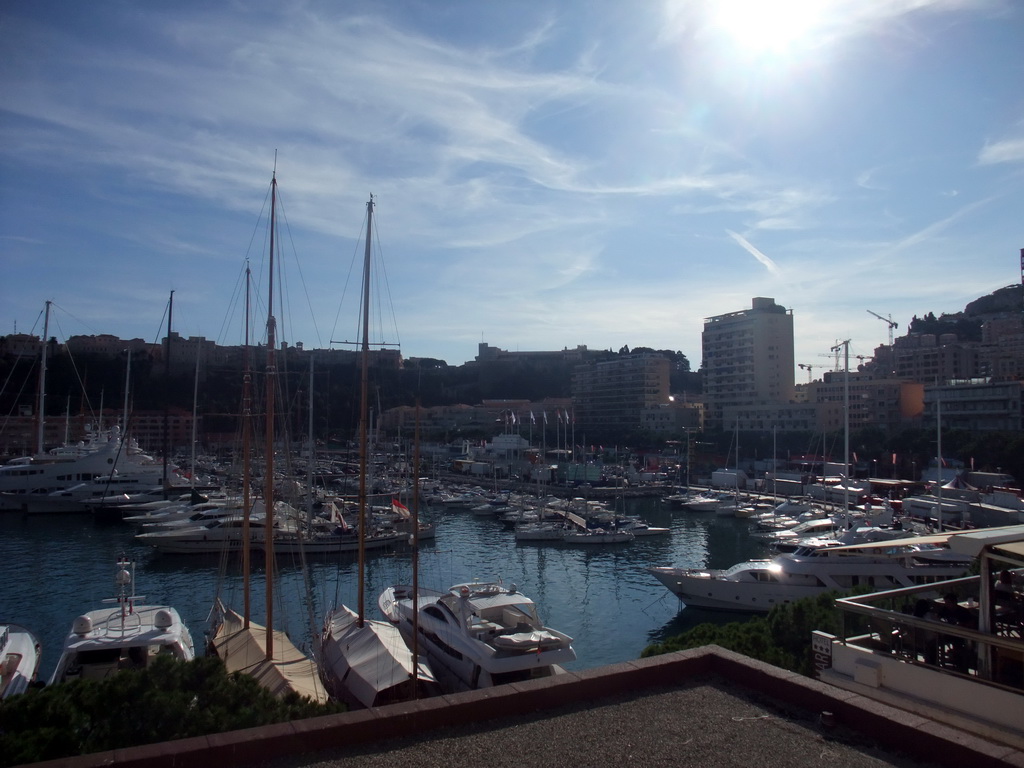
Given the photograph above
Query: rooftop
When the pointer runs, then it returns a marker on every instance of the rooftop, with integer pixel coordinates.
(707, 707)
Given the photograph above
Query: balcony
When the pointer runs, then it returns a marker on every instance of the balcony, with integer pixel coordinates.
(952, 650)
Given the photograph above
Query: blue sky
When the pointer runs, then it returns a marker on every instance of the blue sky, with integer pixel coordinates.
(546, 174)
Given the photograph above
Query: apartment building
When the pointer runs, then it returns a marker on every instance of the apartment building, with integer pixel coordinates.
(613, 395)
(747, 360)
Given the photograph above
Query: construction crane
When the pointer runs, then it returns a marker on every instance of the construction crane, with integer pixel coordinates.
(809, 369)
(889, 320)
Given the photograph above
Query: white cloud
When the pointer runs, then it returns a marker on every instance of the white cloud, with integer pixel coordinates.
(1008, 151)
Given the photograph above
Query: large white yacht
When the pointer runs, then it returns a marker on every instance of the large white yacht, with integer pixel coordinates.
(61, 480)
(123, 635)
(760, 585)
(479, 634)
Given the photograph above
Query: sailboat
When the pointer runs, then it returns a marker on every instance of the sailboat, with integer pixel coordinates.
(364, 662)
(245, 646)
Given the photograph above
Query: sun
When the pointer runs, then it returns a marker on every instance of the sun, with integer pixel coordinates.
(765, 27)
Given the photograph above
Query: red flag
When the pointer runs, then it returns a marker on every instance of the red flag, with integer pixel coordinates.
(399, 508)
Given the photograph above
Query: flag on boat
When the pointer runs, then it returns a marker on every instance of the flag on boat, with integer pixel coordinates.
(399, 508)
(545, 418)
(335, 516)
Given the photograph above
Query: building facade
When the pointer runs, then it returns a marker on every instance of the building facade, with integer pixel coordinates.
(977, 405)
(613, 395)
(748, 360)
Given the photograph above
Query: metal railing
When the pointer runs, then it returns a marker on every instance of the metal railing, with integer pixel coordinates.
(915, 626)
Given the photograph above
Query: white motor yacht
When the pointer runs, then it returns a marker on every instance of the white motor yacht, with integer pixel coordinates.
(477, 635)
(760, 585)
(122, 635)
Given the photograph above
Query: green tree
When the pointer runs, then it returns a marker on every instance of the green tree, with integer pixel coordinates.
(168, 700)
(782, 638)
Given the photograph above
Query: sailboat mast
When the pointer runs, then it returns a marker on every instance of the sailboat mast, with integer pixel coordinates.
(195, 410)
(167, 397)
(938, 458)
(312, 454)
(127, 383)
(364, 406)
(416, 550)
(246, 457)
(41, 410)
(268, 475)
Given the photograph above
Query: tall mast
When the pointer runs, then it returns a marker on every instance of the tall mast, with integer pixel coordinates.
(41, 410)
(312, 454)
(416, 550)
(246, 457)
(127, 383)
(167, 408)
(268, 475)
(195, 409)
(364, 406)
(938, 458)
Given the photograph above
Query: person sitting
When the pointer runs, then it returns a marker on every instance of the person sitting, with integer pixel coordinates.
(1009, 606)
(956, 647)
(954, 613)
(1003, 591)
(926, 640)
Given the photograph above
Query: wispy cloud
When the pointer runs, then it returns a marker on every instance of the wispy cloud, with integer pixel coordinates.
(1008, 151)
(749, 247)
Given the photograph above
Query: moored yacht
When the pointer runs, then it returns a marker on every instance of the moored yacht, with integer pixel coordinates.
(760, 585)
(477, 635)
(124, 635)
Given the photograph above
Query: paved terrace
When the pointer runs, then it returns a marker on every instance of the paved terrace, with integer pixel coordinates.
(706, 707)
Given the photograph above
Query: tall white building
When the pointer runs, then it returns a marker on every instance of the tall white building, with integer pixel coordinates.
(747, 362)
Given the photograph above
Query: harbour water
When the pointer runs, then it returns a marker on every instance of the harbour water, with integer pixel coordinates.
(54, 568)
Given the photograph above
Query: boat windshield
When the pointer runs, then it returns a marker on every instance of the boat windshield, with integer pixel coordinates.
(745, 566)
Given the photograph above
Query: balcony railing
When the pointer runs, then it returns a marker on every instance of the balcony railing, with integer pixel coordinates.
(917, 625)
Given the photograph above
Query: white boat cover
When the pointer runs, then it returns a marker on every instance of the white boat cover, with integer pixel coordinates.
(245, 650)
(367, 661)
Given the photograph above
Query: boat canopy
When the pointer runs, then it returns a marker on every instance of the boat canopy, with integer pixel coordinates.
(245, 650)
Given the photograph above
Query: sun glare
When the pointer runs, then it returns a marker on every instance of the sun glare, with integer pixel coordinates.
(768, 26)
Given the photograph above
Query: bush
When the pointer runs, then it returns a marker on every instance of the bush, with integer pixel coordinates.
(168, 700)
(782, 638)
